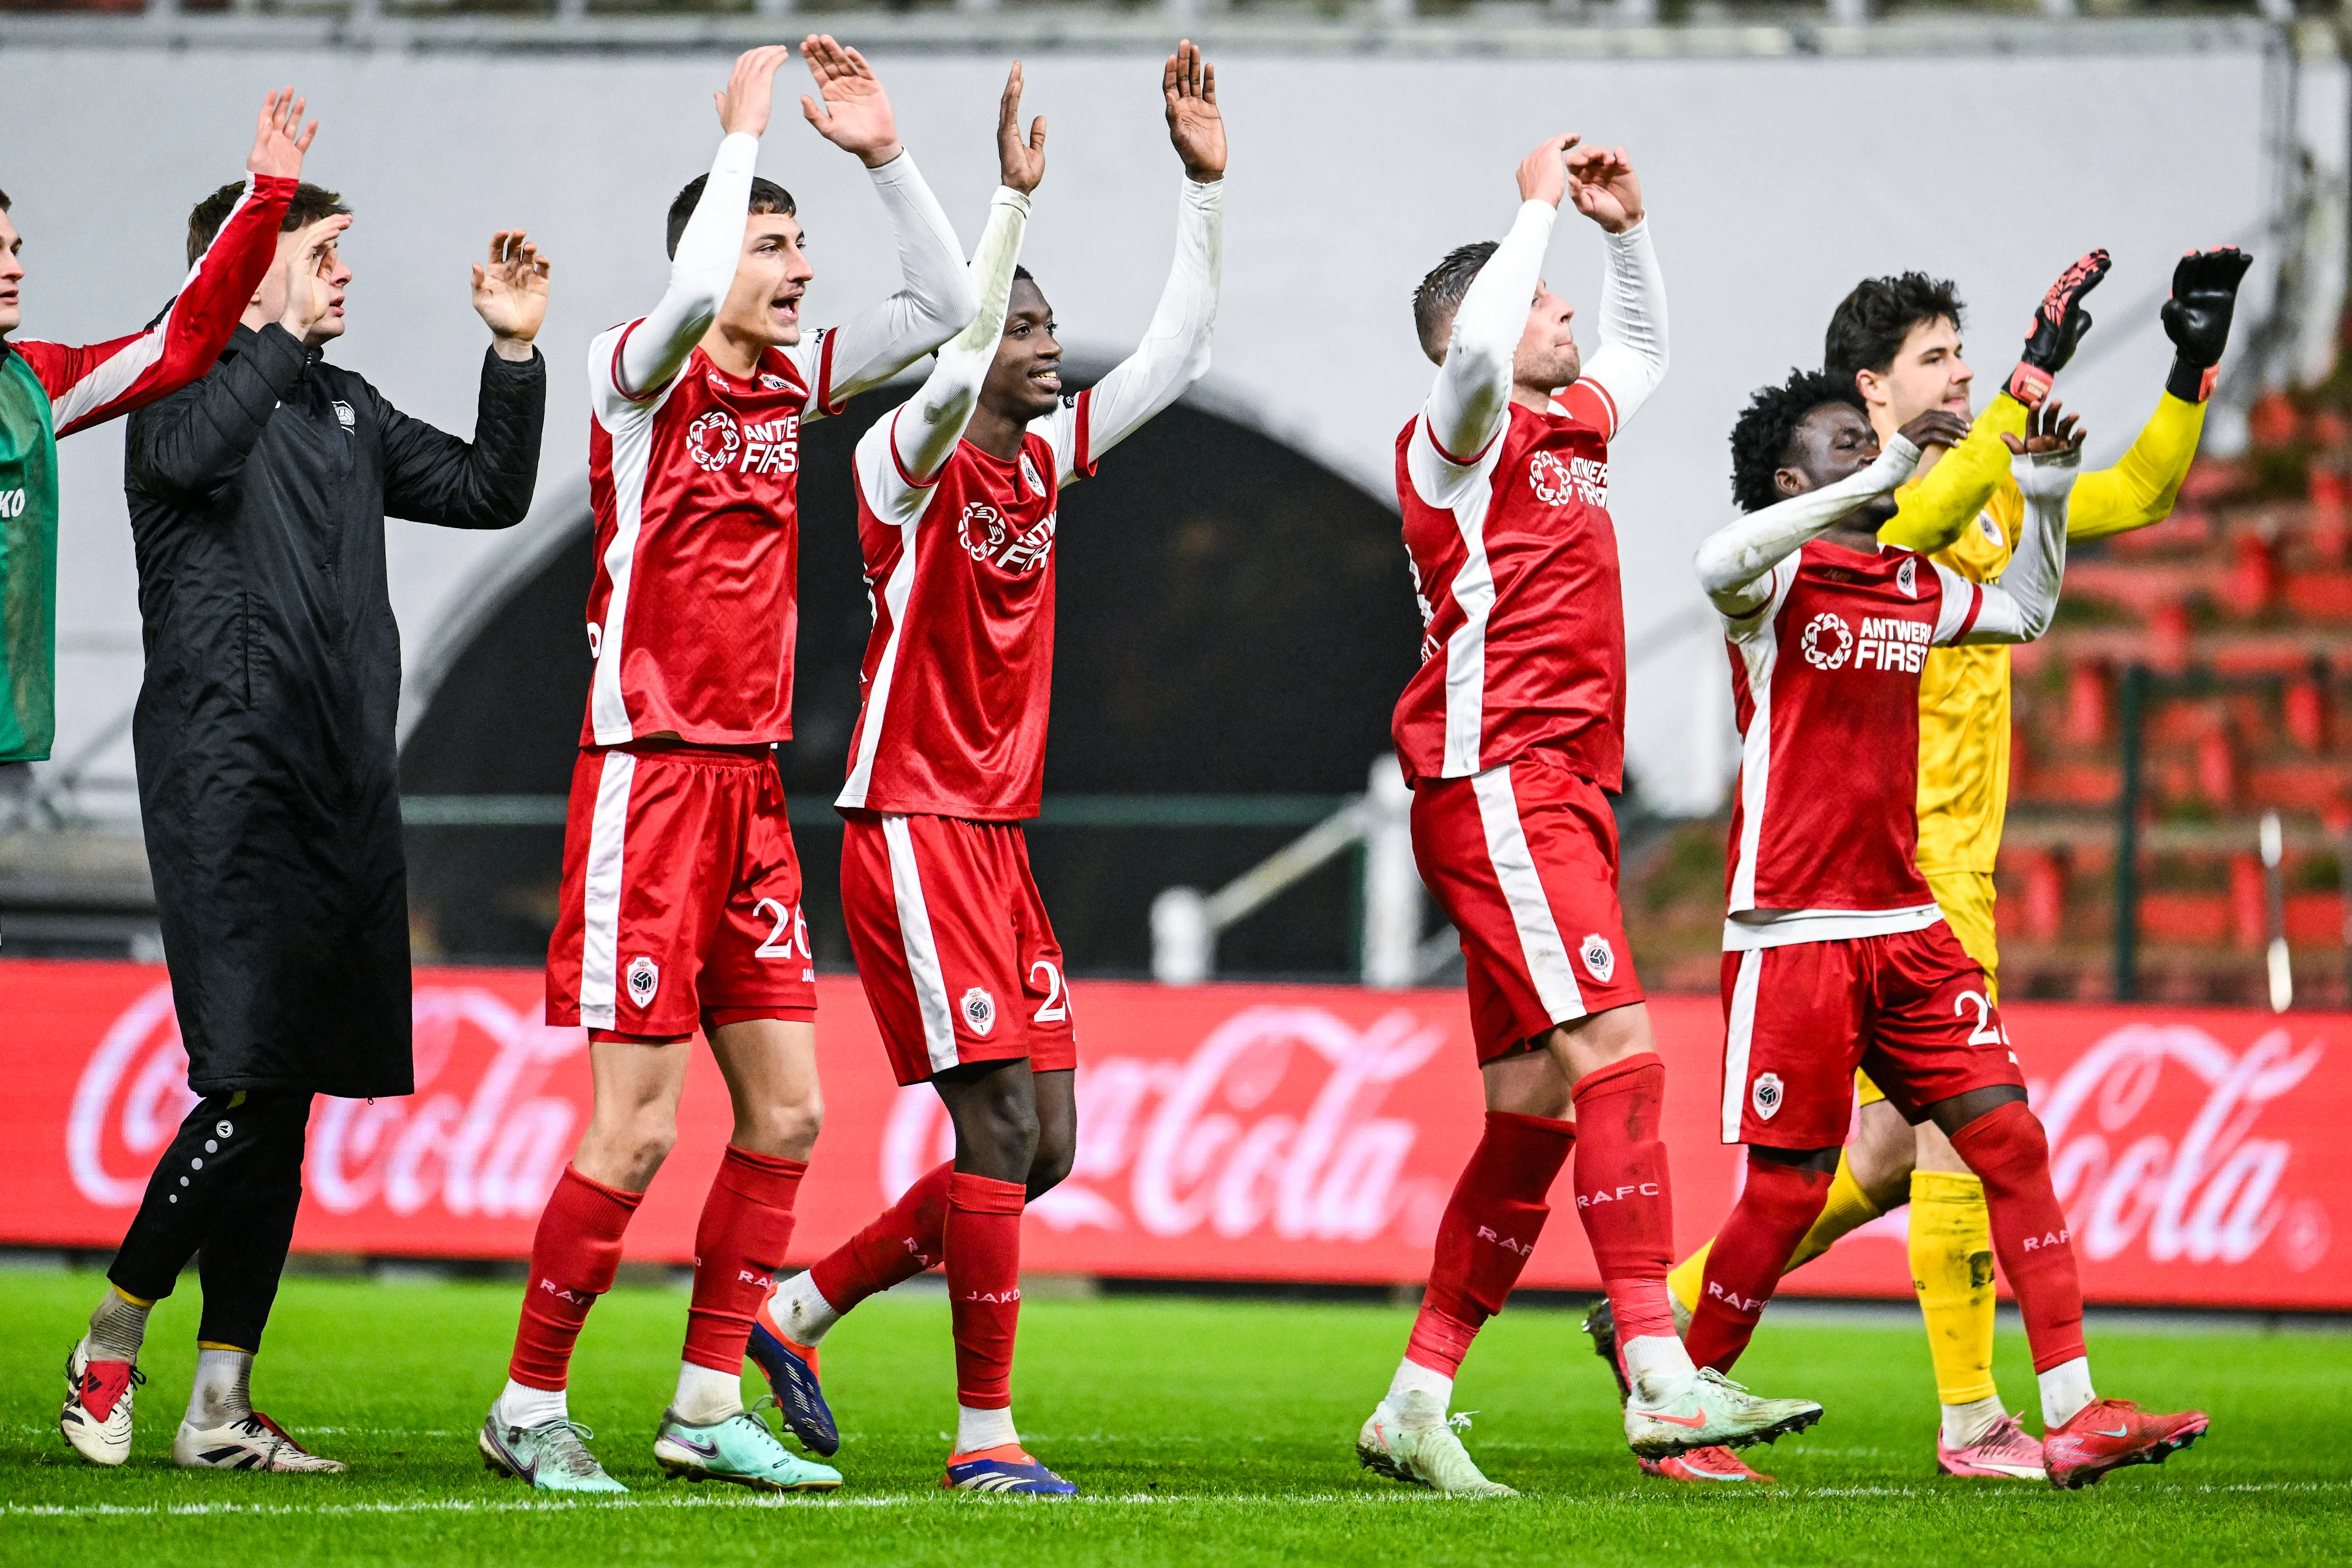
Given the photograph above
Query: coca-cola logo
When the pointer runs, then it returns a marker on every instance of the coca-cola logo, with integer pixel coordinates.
(1271, 1126)
(2205, 1189)
(491, 1147)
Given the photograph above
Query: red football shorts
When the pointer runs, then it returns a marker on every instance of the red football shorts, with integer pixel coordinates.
(1912, 1010)
(681, 894)
(1522, 860)
(953, 944)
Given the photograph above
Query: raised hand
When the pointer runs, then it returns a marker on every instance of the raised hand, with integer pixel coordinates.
(750, 90)
(1188, 82)
(2050, 431)
(280, 137)
(296, 294)
(510, 292)
(1019, 166)
(2059, 324)
(1602, 182)
(1936, 427)
(855, 114)
(2197, 317)
(1543, 173)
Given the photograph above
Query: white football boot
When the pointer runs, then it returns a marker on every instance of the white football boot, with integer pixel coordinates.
(97, 1416)
(1705, 1409)
(1411, 1439)
(252, 1442)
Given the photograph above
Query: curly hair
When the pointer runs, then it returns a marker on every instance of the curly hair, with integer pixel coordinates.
(1759, 441)
(1440, 295)
(1867, 328)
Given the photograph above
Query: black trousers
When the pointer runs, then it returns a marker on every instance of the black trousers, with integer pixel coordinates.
(228, 1188)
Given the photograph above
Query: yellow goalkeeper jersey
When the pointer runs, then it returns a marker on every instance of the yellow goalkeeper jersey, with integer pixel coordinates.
(1967, 513)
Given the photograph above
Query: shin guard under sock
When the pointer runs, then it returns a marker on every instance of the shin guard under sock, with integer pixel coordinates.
(1622, 1195)
(1751, 1251)
(1487, 1234)
(1951, 1270)
(983, 1269)
(2008, 1149)
(897, 1243)
(573, 1257)
(739, 1252)
(1849, 1208)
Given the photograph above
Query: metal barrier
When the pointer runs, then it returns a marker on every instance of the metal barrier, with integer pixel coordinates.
(1186, 923)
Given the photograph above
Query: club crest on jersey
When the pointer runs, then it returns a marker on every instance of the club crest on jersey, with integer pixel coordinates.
(771, 381)
(1991, 529)
(1827, 640)
(979, 1010)
(1600, 958)
(1029, 476)
(1906, 577)
(713, 439)
(1765, 1095)
(345, 417)
(645, 979)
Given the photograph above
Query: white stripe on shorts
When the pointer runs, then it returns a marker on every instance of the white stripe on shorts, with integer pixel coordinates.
(600, 926)
(1523, 892)
(1739, 1033)
(922, 953)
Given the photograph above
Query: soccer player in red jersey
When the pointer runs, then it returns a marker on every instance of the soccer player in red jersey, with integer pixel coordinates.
(957, 497)
(1844, 961)
(681, 895)
(1512, 736)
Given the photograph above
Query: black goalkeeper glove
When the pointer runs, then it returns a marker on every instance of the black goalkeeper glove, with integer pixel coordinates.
(2058, 326)
(2197, 317)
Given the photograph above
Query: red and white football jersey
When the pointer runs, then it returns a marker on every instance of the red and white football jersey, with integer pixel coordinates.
(1515, 565)
(696, 487)
(1825, 675)
(959, 671)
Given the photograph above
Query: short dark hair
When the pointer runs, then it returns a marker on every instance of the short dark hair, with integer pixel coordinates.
(310, 203)
(1440, 295)
(767, 197)
(4, 201)
(1867, 328)
(1760, 440)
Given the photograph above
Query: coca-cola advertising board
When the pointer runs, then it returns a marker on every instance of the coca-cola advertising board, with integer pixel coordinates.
(1279, 1132)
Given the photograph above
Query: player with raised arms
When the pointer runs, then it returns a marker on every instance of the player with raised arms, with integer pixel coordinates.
(1512, 737)
(958, 490)
(1893, 349)
(682, 893)
(1839, 963)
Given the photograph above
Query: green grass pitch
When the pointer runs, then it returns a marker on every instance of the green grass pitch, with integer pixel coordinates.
(1198, 1431)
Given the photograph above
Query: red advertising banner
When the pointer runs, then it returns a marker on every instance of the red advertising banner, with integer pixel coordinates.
(1226, 1132)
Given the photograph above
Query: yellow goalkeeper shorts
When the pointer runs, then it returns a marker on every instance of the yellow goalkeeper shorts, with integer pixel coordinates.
(1966, 898)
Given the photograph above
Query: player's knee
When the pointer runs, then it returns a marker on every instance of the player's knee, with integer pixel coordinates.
(1056, 1153)
(789, 1128)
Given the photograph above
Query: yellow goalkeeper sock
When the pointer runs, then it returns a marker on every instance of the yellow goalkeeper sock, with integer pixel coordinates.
(1687, 1277)
(1951, 1268)
(1849, 1208)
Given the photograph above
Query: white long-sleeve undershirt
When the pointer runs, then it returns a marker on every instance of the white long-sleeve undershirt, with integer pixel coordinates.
(1174, 353)
(928, 427)
(1630, 359)
(1471, 399)
(933, 301)
(1735, 563)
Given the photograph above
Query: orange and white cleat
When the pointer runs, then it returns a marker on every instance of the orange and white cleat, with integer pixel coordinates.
(97, 1416)
(2109, 1433)
(2005, 1453)
(1701, 1465)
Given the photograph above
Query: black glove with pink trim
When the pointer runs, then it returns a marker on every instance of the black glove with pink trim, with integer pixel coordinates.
(2058, 326)
(2197, 317)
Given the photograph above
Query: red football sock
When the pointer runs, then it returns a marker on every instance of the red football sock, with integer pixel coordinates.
(1487, 1234)
(739, 1250)
(1622, 1192)
(2008, 1149)
(895, 1245)
(984, 1264)
(573, 1257)
(1778, 1205)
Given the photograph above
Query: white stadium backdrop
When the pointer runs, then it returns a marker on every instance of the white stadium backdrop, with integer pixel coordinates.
(1774, 182)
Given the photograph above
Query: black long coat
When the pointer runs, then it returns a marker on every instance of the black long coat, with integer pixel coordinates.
(264, 732)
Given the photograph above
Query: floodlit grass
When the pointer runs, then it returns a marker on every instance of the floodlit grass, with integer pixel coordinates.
(1198, 1431)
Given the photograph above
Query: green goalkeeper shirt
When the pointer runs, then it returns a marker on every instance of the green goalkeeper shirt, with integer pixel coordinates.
(28, 564)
